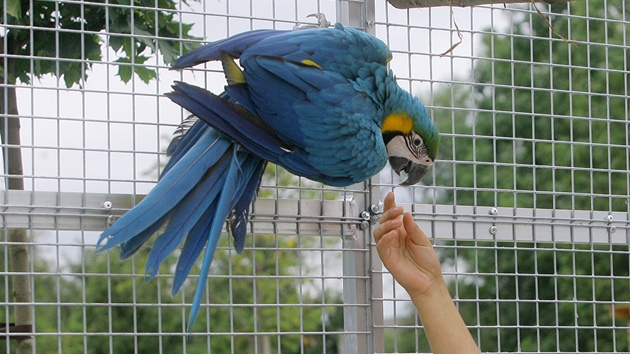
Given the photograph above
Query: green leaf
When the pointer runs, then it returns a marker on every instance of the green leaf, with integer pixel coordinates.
(168, 51)
(127, 70)
(124, 71)
(14, 8)
(145, 74)
(72, 76)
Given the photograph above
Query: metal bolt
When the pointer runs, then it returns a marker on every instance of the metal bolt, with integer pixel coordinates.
(370, 24)
(364, 225)
(376, 208)
(374, 220)
(612, 229)
(494, 211)
(493, 230)
(107, 205)
(365, 215)
(610, 218)
(110, 220)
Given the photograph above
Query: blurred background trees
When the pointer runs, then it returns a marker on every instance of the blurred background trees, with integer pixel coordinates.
(549, 136)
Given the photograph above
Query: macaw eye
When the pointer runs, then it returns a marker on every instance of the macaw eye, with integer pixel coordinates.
(417, 141)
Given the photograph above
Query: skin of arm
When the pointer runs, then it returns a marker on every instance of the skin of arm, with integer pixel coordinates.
(409, 256)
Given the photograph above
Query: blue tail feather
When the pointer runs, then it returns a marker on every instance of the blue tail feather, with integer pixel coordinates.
(186, 214)
(208, 178)
(242, 166)
(186, 142)
(128, 248)
(238, 224)
(173, 186)
(194, 244)
(185, 136)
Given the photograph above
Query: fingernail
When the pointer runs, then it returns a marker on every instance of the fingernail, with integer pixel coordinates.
(396, 222)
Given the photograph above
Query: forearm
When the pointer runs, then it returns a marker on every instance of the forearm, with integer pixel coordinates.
(443, 325)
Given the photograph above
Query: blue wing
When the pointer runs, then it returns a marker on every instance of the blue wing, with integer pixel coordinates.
(314, 90)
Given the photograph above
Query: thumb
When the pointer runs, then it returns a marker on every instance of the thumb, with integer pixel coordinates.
(414, 232)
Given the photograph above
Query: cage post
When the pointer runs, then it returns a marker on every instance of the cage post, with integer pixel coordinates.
(356, 256)
(359, 14)
(355, 290)
(376, 275)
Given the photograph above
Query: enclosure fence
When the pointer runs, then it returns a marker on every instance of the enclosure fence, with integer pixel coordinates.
(527, 204)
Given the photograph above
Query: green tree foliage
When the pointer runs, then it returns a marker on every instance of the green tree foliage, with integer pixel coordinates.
(65, 38)
(257, 292)
(549, 129)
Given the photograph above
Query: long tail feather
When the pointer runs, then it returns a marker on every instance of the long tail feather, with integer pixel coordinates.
(212, 179)
(128, 248)
(194, 244)
(238, 223)
(173, 187)
(242, 167)
(186, 215)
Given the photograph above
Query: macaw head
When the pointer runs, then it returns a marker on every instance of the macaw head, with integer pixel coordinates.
(412, 141)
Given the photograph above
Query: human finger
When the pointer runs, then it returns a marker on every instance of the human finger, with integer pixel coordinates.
(414, 232)
(386, 227)
(390, 201)
(390, 209)
(391, 213)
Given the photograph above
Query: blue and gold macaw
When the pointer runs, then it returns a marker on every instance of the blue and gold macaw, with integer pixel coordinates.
(321, 103)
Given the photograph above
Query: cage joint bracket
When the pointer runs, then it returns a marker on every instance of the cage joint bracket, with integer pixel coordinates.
(611, 228)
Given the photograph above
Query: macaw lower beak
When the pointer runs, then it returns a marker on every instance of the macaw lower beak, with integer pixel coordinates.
(415, 171)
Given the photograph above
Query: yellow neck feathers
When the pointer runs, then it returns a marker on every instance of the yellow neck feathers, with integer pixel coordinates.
(399, 122)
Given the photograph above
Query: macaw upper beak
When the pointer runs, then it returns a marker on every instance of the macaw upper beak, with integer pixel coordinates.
(415, 171)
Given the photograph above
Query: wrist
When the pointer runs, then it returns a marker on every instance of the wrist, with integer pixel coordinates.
(436, 293)
(436, 288)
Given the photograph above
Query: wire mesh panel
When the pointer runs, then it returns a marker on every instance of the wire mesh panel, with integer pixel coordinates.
(527, 205)
(92, 145)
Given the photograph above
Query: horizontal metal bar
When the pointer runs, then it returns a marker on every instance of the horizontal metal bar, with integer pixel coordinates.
(93, 212)
(521, 224)
(409, 4)
(90, 212)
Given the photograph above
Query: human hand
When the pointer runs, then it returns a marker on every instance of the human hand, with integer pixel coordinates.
(407, 252)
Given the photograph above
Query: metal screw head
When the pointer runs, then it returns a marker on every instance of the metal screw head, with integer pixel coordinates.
(376, 208)
(365, 215)
(493, 211)
(493, 230)
(610, 218)
(364, 225)
(107, 205)
(612, 229)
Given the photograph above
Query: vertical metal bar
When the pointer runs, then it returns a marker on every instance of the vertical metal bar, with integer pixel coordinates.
(355, 291)
(352, 13)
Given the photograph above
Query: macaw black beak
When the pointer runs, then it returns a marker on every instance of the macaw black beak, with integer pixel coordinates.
(415, 171)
